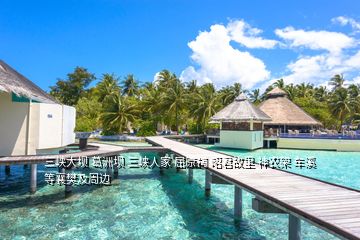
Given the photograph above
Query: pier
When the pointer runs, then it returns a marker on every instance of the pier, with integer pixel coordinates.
(95, 149)
(331, 207)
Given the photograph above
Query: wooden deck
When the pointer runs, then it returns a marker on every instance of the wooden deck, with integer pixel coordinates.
(334, 208)
(95, 149)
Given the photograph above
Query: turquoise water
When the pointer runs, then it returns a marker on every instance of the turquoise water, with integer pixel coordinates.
(337, 167)
(142, 204)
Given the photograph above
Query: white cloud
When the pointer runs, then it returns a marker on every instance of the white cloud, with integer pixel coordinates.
(156, 77)
(319, 69)
(356, 80)
(221, 63)
(248, 36)
(333, 42)
(353, 61)
(343, 21)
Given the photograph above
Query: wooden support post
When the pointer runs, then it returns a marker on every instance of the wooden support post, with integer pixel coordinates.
(207, 182)
(268, 143)
(7, 169)
(116, 171)
(83, 143)
(294, 228)
(68, 187)
(115, 166)
(190, 175)
(33, 176)
(109, 171)
(159, 164)
(237, 203)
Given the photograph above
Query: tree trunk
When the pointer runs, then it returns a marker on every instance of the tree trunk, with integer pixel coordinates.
(177, 121)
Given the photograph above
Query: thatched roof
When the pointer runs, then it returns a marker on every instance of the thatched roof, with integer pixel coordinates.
(283, 111)
(240, 110)
(276, 92)
(12, 81)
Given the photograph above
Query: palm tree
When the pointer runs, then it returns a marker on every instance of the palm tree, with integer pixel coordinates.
(108, 85)
(118, 112)
(354, 90)
(279, 83)
(267, 90)
(337, 81)
(255, 96)
(204, 104)
(131, 86)
(150, 100)
(230, 93)
(354, 94)
(165, 79)
(291, 91)
(304, 90)
(321, 93)
(148, 85)
(340, 104)
(174, 100)
(191, 86)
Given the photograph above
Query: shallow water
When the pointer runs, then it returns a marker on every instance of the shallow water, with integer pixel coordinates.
(142, 204)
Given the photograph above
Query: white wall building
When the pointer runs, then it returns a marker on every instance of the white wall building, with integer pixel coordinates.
(30, 119)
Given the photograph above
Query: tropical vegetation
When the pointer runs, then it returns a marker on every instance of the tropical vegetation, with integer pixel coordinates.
(117, 106)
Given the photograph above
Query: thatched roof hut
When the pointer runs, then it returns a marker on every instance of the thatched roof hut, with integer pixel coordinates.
(284, 112)
(13, 82)
(241, 124)
(240, 110)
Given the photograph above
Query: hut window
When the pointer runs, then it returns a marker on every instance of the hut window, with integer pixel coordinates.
(257, 126)
(237, 126)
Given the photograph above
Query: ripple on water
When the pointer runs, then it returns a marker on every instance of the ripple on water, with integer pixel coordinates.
(144, 205)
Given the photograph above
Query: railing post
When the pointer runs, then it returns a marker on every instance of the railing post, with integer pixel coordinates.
(294, 228)
(237, 203)
(207, 182)
(33, 176)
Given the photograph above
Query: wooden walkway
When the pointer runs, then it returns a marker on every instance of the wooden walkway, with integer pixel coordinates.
(334, 208)
(95, 149)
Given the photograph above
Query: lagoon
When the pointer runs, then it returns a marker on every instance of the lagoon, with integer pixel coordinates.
(144, 204)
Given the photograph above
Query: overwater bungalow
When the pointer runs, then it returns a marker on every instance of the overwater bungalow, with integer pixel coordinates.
(286, 115)
(31, 120)
(241, 124)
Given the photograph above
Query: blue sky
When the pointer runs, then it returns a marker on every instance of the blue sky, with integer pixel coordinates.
(251, 42)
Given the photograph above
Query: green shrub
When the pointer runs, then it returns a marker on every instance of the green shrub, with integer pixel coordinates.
(147, 128)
